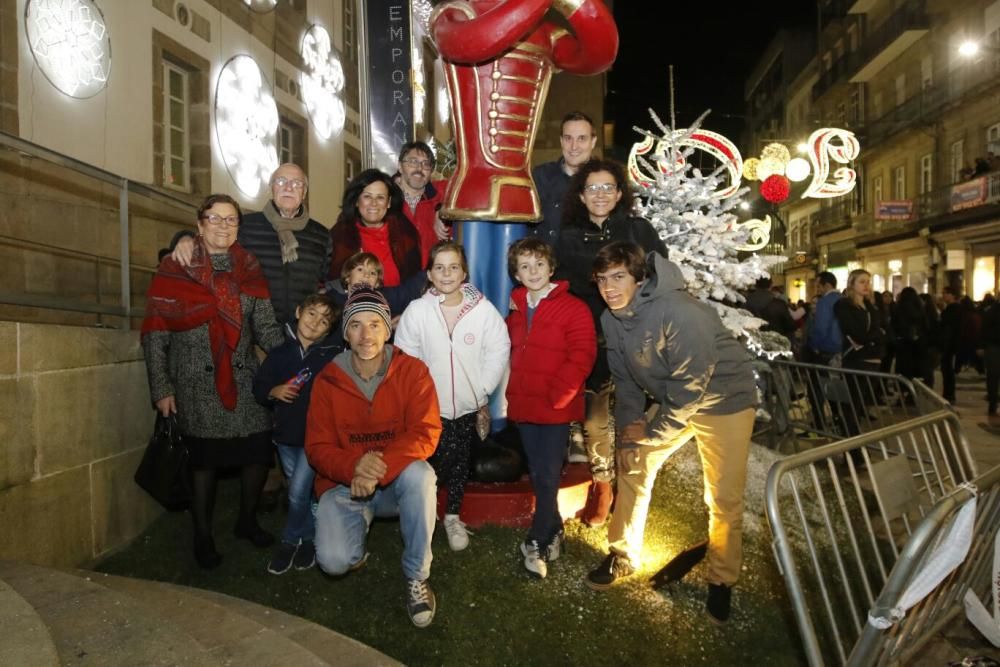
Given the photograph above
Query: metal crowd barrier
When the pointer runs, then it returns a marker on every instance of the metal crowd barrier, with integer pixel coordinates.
(812, 403)
(841, 515)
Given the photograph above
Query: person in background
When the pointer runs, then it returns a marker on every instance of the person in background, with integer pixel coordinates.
(421, 197)
(951, 323)
(911, 333)
(864, 342)
(968, 337)
(553, 347)
(598, 210)
(933, 339)
(666, 344)
(823, 341)
(762, 302)
(373, 421)
(284, 385)
(462, 338)
(202, 322)
(886, 305)
(991, 356)
(577, 138)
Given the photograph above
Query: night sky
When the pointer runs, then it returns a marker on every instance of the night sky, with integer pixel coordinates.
(712, 58)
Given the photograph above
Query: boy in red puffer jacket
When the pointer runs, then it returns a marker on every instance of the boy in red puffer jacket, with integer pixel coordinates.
(553, 346)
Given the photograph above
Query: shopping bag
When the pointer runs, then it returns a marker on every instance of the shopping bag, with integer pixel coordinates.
(163, 472)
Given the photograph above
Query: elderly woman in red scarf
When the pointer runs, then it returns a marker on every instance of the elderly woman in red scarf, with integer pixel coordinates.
(202, 322)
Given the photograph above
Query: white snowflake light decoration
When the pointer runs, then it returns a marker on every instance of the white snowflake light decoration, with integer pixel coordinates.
(322, 82)
(70, 43)
(246, 124)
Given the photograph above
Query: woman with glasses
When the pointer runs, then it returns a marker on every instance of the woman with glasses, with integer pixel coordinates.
(202, 322)
(598, 211)
(372, 220)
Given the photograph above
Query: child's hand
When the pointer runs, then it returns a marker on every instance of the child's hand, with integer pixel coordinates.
(286, 393)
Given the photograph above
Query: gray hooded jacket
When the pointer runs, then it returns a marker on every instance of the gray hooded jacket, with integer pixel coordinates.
(673, 347)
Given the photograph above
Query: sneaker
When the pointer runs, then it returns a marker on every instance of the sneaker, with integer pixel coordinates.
(458, 534)
(577, 449)
(305, 557)
(609, 572)
(555, 547)
(281, 561)
(719, 598)
(360, 564)
(534, 561)
(420, 602)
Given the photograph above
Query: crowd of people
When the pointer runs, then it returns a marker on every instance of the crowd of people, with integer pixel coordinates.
(363, 359)
(910, 334)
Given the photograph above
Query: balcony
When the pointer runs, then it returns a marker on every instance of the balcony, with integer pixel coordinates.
(833, 10)
(862, 6)
(838, 72)
(833, 218)
(896, 34)
(926, 105)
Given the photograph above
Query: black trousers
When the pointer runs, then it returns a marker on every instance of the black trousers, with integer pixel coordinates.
(451, 459)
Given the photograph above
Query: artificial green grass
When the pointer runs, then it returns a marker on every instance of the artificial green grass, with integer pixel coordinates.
(490, 612)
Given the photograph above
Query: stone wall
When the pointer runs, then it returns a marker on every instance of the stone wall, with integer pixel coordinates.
(74, 420)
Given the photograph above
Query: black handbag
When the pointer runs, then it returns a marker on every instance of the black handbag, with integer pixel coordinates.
(164, 472)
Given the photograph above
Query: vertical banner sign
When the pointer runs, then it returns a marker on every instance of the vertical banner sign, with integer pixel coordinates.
(389, 87)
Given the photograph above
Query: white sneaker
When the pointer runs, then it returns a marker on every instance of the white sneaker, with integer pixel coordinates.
(534, 562)
(458, 534)
(555, 547)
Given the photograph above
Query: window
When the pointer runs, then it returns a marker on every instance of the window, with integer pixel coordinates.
(876, 191)
(176, 140)
(993, 42)
(877, 105)
(852, 38)
(900, 89)
(926, 72)
(993, 139)
(899, 183)
(350, 32)
(926, 173)
(805, 234)
(855, 106)
(957, 160)
(286, 143)
(292, 138)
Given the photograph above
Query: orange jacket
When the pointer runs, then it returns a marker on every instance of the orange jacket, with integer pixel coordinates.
(403, 421)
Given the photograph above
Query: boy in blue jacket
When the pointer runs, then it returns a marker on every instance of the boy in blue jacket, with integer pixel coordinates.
(284, 383)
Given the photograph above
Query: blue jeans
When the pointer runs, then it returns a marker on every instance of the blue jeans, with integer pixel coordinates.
(300, 526)
(544, 447)
(342, 523)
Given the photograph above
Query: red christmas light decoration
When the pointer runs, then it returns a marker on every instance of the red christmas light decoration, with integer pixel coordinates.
(776, 188)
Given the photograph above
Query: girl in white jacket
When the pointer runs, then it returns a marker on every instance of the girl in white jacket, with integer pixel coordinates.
(463, 340)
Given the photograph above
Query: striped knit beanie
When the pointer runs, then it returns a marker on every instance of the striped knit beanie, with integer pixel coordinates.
(364, 299)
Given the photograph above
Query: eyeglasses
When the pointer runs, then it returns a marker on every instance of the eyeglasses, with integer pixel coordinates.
(217, 220)
(417, 162)
(293, 183)
(600, 188)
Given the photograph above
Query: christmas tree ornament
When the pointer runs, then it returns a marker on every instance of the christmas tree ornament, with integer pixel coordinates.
(775, 189)
(776, 151)
(750, 167)
(770, 166)
(797, 170)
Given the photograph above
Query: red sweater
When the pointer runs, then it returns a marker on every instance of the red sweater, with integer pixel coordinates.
(403, 421)
(423, 217)
(551, 359)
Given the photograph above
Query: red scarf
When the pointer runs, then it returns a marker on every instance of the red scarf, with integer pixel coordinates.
(182, 298)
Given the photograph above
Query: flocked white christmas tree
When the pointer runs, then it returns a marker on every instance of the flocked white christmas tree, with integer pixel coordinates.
(703, 235)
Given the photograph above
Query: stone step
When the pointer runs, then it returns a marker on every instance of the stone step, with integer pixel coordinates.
(25, 641)
(229, 635)
(317, 638)
(93, 625)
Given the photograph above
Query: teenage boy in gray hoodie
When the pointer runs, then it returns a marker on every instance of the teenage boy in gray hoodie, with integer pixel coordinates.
(664, 343)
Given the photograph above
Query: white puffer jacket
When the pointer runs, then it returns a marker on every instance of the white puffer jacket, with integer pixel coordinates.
(466, 366)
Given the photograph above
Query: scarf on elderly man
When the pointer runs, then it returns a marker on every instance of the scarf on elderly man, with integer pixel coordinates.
(182, 298)
(285, 228)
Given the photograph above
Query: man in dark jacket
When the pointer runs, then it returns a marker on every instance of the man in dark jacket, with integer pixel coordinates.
(664, 343)
(824, 340)
(577, 139)
(951, 323)
(292, 248)
(763, 303)
(422, 197)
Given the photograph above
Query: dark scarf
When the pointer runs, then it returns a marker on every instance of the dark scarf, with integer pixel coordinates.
(182, 298)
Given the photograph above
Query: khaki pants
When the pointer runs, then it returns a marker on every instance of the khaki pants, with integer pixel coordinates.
(723, 445)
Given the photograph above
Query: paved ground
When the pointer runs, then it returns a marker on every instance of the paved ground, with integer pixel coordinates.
(962, 640)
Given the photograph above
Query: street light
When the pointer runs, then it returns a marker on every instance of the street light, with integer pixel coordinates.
(971, 48)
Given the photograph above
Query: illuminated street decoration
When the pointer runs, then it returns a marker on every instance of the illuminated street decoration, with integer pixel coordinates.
(262, 6)
(712, 143)
(758, 233)
(797, 170)
(70, 43)
(821, 151)
(322, 82)
(246, 124)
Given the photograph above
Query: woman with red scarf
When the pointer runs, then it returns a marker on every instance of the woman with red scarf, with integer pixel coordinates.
(202, 322)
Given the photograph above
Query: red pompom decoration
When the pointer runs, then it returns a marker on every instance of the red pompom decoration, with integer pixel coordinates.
(776, 188)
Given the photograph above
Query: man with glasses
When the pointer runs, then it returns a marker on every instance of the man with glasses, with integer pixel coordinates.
(292, 248)
(423, 197)
(577, 139)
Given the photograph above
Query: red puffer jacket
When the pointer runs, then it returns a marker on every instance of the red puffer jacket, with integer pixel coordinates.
(551, 359)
